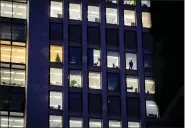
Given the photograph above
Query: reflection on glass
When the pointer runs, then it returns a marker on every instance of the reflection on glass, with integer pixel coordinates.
(129, 18)
(149, 85)
(94, 80)
(56, 99)
(56, 9)
(75, 11)
(132, 84)
(114, 124)
(112, 59)
(111, 16)
(113, 82)
(152, 109)
(93, 13)
(55, 121)
(56, 54)
(75, 79)
(95, 123)
(131, 61)
(75, 122)
(56, 76)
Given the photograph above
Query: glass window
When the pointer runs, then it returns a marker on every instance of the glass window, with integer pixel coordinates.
(133, 124)
(145, 3)
(75, 79)
(147, 61)
(75, 11)
(94, 80)
(15, 9)
(5, 31)
(131, 61)
(112, 1)
(129, 18)
(112, 59)
(114, 106)
(56, 76)
(75, 122)
(13, 77)
(114, 124)
(55, 121)
(93, 14)
(133, 107)
(147, 42)
(5, 53)
(112, 36)
(113, 82)
(75, 33)
(56, 9)
(149, 85)
(18, 32)
(93, 35)
(146, 19)
(94, 57)
(129, 2)
(56, 99)
(18, 54)
(56, 32)
(95, 123)
(75, 102)
(9, 122)
(132, 84)
(56, 53)
(75, 55)
(152, 109)
(95, 104)
(111, 16)
(130, 39)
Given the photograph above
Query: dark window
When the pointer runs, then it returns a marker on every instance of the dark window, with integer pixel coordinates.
(93, 35)
(147, 61)
(147, 42)
(133, 107)
(75, 55)
(56, 32)
(75, 33)
(113, 82)
(75, 102)
(95, 104)
(130, 40)
(112, 37)
(114, 106)
(5, 31)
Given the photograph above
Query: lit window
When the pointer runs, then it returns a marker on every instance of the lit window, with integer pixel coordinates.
(13, 77)
(114, 124)
(132, 84)
(75, 55)
(15, 9)
(146, 19)
(112, 1)
(56, 76)
(113, 82)
(133, 124)
(149, 85)
(112, 59)
(9, 122)
(145, 3)
(94, 80)
(152, 109)
(111, 16)
(56, 9)
(93, 14)
(94, 57)
(131, 61)
(56, 99)
(56, 53)
(129, 18)
(95, 123)
(129, 2)
(75, 122)
(75, 11)
(55, 121)
(147, 61)
(75, 79)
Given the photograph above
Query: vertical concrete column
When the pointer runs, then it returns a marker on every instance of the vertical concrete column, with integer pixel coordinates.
(36, 110)
(84, 68)
(122, 66)
(103, 64)
(140, 62)
(65, 56)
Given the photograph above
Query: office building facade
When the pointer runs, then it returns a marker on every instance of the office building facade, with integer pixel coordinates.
(76, 63)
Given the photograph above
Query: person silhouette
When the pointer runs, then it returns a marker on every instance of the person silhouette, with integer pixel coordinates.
(131, 65)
